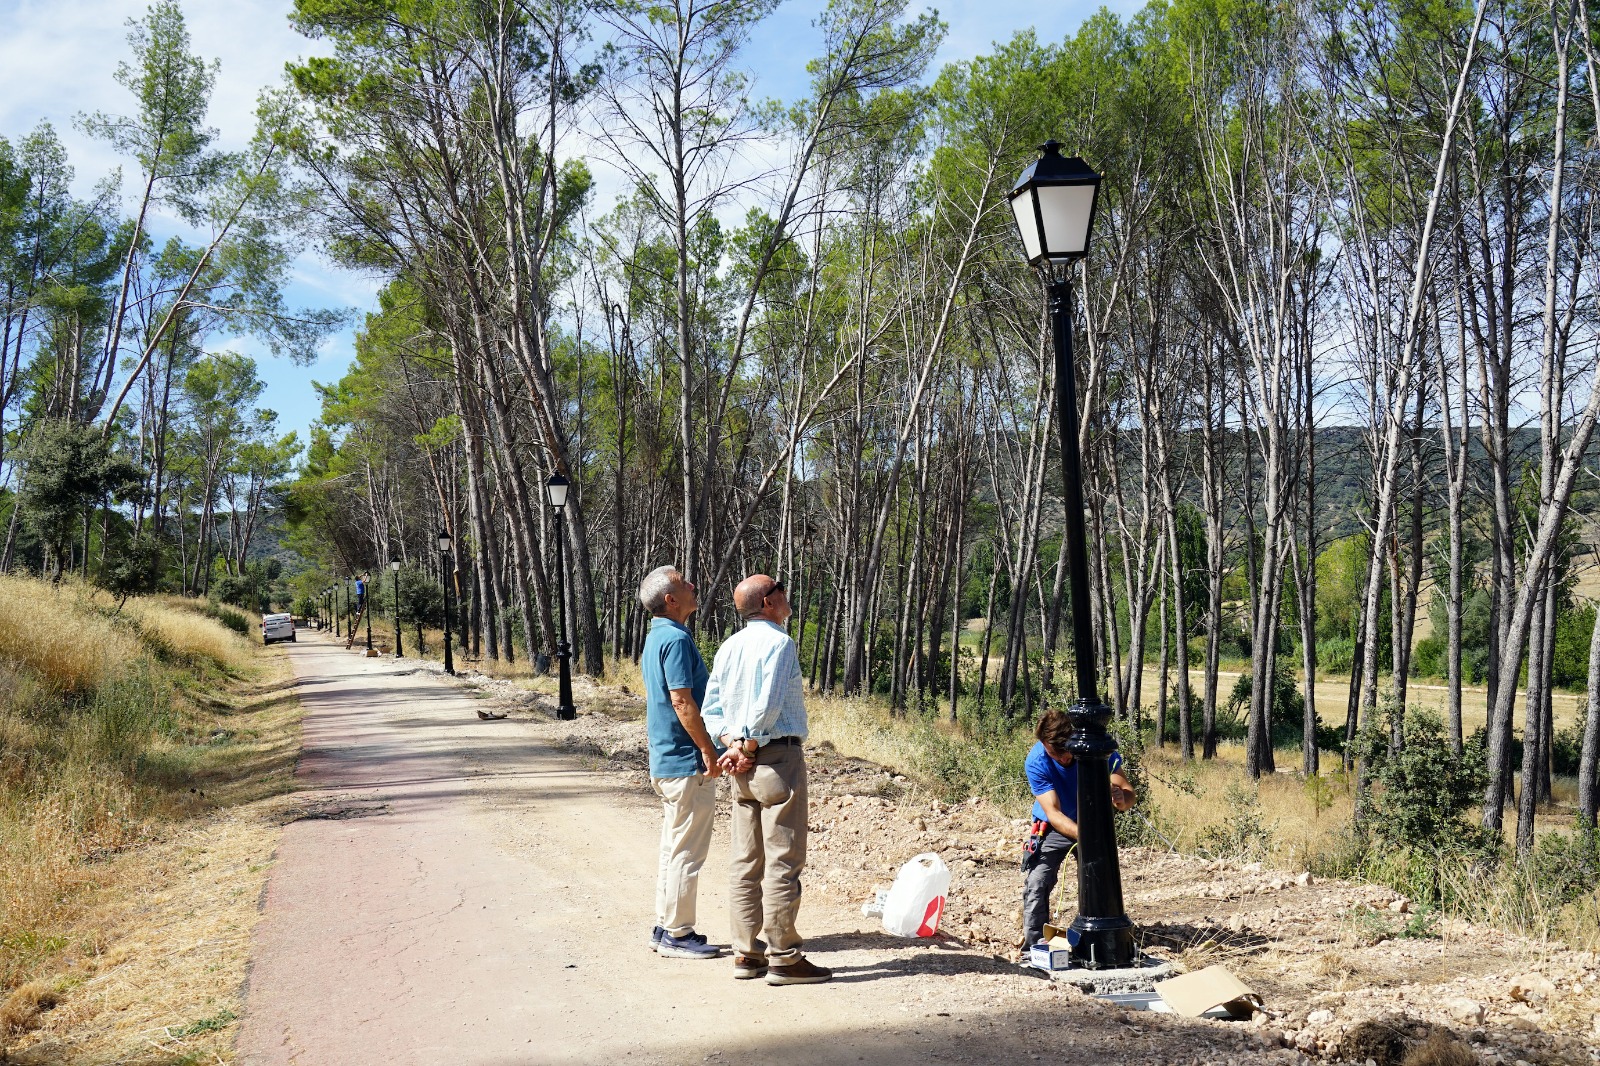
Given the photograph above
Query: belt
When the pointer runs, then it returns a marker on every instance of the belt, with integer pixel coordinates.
(783, 740)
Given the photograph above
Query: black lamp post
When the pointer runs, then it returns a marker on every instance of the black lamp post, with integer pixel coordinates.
(444, 573)
(338, 611)
(1054, 204)
(394, 567)
(557, 488)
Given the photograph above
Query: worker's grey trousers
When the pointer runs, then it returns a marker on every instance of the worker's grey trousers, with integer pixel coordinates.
(769, 851)
(1041, 874)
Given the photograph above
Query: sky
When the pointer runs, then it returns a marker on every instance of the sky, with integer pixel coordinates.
(58, 58)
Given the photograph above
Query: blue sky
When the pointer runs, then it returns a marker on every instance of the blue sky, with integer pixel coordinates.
(57, 58)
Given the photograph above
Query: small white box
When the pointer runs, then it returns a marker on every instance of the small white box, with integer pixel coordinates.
(1044, 957)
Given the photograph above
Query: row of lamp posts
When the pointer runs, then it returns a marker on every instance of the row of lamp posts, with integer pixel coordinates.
(556, 488)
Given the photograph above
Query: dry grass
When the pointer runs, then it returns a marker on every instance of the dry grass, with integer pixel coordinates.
(1209, 806)
(186, 636)
(57, 635)
(125, 746)
(858, 727)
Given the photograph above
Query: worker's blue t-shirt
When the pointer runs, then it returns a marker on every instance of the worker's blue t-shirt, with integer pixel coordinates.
(670, 660)
(361, 587)
(1047, 775)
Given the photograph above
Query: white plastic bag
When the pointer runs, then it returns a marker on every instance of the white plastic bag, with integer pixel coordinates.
(916, 899)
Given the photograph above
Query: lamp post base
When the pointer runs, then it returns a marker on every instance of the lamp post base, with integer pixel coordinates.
(1104, 943)
(566, 711)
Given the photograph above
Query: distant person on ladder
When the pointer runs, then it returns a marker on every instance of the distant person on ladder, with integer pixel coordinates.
(361, 610)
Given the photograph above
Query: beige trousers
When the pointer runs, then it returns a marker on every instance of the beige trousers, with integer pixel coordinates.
(688, 811)
(769, 851)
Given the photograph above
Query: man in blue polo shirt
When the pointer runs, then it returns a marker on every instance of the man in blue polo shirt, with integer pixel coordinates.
(1053, 780)
(683, 761)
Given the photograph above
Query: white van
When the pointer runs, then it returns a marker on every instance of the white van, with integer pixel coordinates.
(276, 627)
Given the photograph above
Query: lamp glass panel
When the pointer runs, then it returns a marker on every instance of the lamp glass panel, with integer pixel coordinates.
(558, 494)
(394, 564)
(1027, 225)
(444, 542)
(1066, 210)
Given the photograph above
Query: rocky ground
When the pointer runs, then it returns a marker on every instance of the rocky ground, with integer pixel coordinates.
(1347, 971)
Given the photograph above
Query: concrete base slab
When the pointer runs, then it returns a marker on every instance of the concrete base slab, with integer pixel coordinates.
(1138, 978)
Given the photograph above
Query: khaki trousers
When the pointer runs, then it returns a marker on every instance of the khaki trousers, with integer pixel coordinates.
(688, 811)
(769, 851)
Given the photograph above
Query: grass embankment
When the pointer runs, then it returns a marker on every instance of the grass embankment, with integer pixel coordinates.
(134, 748)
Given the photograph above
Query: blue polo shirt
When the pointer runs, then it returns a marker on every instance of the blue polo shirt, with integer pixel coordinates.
(1047, 775)
(670, 660)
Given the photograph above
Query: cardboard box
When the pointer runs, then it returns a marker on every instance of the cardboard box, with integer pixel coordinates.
(1056, 952)
(1211, 992)
(1049, 957)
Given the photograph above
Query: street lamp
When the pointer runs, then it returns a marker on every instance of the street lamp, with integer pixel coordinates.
(557, 488)
(366, 611)
(444, 572)
(394, 565)
(1054, 204)
(338, 610)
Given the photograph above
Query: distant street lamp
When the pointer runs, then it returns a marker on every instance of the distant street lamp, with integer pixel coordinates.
(366, 612)
(557, 488)
(1054, 204)
(445, 569)
(394, 565)
(338, 611)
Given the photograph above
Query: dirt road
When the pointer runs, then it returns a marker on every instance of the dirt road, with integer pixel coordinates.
(460, 891)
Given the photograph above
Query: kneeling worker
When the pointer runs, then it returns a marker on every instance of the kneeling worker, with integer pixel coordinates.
(1053, 780)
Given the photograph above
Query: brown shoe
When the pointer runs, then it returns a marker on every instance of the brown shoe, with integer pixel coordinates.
(748, 967)
(800, 972)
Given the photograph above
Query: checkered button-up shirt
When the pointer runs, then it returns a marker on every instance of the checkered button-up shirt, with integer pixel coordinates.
(756, 688)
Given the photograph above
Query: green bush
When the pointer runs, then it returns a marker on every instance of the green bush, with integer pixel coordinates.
(1422, 793)
(1569, 667)
(127, 712)
(240, 590)
(1566, 750)
(229, 617)
(1241, 834)
(1567, 866)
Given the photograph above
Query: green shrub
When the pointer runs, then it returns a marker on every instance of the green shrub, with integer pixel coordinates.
(1569, 667)
(229, 617)
(1428, 660)
(1566, 750)
(1422, 793)
(127, 712)
(1566, 866)
(1241, 834)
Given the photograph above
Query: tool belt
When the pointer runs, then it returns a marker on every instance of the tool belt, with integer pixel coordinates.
(1035, 841)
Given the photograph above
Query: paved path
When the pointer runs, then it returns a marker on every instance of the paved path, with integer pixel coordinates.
(458, 892)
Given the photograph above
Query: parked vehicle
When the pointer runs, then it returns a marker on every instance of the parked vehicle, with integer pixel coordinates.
(276, 627)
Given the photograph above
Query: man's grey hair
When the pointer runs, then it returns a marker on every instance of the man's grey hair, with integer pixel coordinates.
(654, 588)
